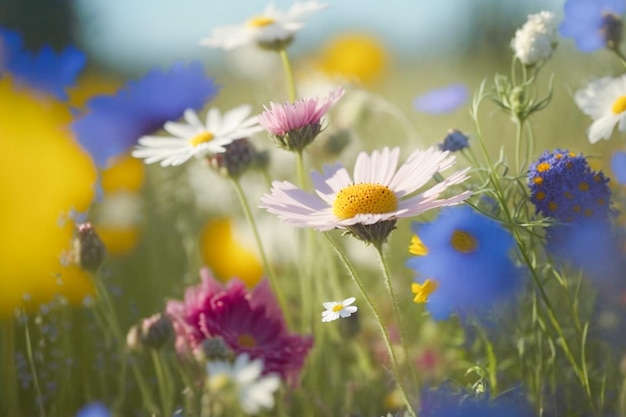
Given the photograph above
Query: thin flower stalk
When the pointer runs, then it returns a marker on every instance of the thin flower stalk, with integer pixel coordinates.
(291, 85)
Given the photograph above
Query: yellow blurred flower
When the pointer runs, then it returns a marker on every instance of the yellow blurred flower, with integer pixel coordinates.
(126, 174)
(354, 56)
(44, 175)
(226, 255)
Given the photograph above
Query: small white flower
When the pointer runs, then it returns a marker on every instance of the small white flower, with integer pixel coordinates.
(337, 309)
(254, 392)
(272, 27)
(604, 100)
(195, 138)
(536, 40)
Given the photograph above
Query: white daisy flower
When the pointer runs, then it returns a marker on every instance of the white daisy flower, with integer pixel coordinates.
(536, 40)
(254, 392)
(604, 100)
(272, 29)
(195, 138)
(337, 309)
(378, 193)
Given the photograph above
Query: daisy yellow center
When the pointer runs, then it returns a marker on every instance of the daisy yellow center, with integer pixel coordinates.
(260, 21)
(338, 308)
(201, 138)
(417, 247)
(246, 340)
(364, 198)
(464, 242)
(619, 105)
(423, 291)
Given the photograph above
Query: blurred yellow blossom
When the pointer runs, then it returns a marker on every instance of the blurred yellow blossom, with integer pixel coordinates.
(44, 176)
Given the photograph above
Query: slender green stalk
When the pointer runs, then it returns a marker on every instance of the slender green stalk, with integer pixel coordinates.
(9, 373)
(379, 321)
(396, 307)
(108, 312)
(257, 237)
(519, 125)
(33, 370)
(291, 85)
(300, 170)
(492, 362)
(163, 384)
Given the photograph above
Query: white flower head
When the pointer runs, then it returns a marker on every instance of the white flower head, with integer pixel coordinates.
(273, 28)
(378, 192)
(536, 40)
(338, 309)
(197, 139)
(254, 392)
(604, 100)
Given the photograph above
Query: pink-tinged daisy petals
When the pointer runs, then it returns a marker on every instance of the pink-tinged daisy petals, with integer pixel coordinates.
(295, 125)
(377, 193)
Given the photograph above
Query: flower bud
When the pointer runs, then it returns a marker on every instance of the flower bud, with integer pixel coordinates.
(153, 332)
(89, 251)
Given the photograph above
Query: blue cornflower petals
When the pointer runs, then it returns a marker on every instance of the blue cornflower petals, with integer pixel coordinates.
(443, 100)
(590, 22)
(618, 166)
(467, 257)
(113, 124)
(45, 71)
(95, 409)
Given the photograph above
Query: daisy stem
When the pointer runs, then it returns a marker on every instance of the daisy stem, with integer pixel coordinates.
(519, 124)
(300, 169)
(9, 373)
(379, 321)
(33, 369)
(164, 388)
(257, 237)
(291, 85)
(396, 307)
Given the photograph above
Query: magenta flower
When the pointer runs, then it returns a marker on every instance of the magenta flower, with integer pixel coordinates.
(295, 125)
(248, 322)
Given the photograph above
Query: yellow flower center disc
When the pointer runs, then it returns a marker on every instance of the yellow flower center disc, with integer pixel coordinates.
(364, 198)
(201, 138)
(619, 105)
(464, 242)
(260, 21)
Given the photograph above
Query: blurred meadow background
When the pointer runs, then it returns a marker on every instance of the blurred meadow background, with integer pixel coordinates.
(160, 226)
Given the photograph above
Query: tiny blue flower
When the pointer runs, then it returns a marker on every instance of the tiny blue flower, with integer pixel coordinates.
(454, 141)
(113, 124)
(463, 263)
(443, 100)
(591, 22)
(618, 166)
(563, 187)
(45, 71)
(95, 409)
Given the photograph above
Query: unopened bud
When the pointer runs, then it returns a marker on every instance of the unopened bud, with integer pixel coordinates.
(89, 251)
(611, 30)
(153, 332)
(238, 157)
(213, 349)
(454, 141)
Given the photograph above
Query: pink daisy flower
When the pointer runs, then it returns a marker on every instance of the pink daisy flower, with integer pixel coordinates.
(295, 125)
(247, 322)
(369, 203)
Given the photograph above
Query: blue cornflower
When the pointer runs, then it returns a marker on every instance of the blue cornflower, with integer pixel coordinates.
(113, 124)
(44, 71)
(618, 166)
(563, 187)
(452, 400)
(594, 24)
(462, 262)
(454, 141)
(95, 409)
(442, 100)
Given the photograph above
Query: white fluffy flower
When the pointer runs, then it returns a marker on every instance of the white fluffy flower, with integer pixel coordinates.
(272, 27)
(197, 139)
(604, 100)
(254, 392)
(536, 40)
(337, 309)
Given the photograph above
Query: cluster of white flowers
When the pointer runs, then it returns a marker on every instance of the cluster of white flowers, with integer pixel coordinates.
(536, 40)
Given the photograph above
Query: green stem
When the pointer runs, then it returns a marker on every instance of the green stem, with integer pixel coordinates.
(257, 237)
(492, 366)
(164, 388)
(291, 85)
(33, 370)
(302, 182)
(396, 307)
(518, 145)
(9, 373)
(379, 321)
